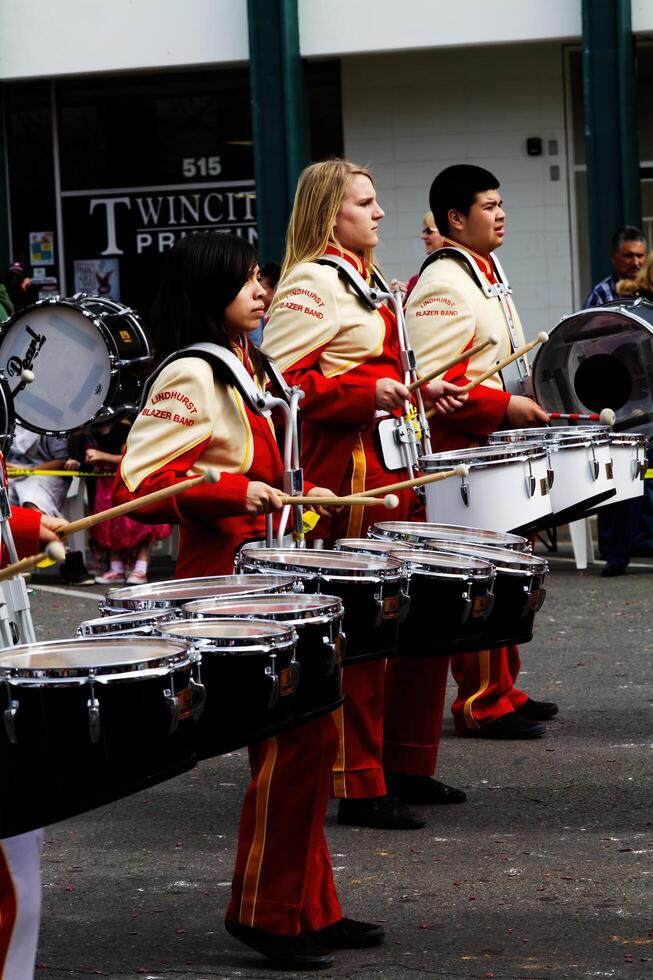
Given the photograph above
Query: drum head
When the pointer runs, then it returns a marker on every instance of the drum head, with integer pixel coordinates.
(438, 562)
(62, 344)
(221, 634)
(176, 592)
(595, 359)
(424, 534)
(123, 622)
(501, 558)
(321, 562)
(73, 659)
(291, 608)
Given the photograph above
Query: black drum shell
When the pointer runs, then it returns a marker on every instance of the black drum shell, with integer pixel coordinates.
(56, 771)
(440, 621)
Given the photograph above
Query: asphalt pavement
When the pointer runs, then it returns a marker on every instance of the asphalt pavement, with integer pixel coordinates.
(545, 872)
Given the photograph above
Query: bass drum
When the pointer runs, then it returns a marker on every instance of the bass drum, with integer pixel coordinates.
(7, 415)
(89, 356)
(600, 358)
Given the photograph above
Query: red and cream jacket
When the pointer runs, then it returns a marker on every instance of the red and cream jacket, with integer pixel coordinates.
(333, 347)
(447, 313)
(189, 423)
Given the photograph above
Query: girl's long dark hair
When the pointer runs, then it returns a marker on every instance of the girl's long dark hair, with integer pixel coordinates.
(203, 273)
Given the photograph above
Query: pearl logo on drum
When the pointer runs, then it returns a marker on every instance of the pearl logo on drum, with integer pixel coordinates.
(15, 365)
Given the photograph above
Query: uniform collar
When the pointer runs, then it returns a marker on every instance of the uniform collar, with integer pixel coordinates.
(353, 258)
(483, 262)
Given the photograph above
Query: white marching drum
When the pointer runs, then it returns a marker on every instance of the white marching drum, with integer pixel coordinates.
(88, 356)
(580, 461)
(629, 464)
(507, 488)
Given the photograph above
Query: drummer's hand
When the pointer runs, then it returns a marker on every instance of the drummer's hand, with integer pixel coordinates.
(262, 498)
(323, 492)
(72, 464)
(522, 412)
(443, 396)
(48, 527)
(390, 394)
(397, 284)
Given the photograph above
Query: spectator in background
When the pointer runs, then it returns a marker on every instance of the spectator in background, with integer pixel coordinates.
(19, 286)
(269, 280)
(642, 285)
(32, 451)
(618, 523)
(432, 239)
(627, 253)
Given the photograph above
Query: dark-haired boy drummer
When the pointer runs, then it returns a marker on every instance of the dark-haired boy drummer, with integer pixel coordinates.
(451, 309)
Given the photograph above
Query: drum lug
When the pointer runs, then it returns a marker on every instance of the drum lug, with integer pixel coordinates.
(199, 697)
(274, 681)
(93, 708)
(531, 482)
(332, 650)
(467, 607)
(609, 469)
(10, 722)
(638, 469)
(404, 606)
(595, 467)
(550, 475)
(464, 490)
(173, 707)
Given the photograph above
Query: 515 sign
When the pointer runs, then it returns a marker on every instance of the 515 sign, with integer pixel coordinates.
(201, 166)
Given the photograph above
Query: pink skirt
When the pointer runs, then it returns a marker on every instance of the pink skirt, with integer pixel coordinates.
(122, 533)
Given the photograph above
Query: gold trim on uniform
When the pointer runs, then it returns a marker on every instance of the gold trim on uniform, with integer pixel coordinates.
(254, 864)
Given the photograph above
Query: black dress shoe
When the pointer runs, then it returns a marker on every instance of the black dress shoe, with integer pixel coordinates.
(422, 789)
(511, 725)
(285, 952)
(381, 812)
(612, 571)
(349, 934)
(538, 710)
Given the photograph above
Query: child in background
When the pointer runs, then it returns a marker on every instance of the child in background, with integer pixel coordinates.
(121, 537)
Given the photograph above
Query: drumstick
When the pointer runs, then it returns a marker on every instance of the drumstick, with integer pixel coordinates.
(605, 417)
(210, 476)
(55, 551)
(491, 341)
(499, 366)
(390, 501)
(419, 481)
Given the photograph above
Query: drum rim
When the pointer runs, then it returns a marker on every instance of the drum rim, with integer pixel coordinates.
(517, 542)
(326, 608)
(135, 603)
(532, 564)
(482, 571)
(285, 637)
(485, 456)
(580, 437)
(81, 674)
(326, 574)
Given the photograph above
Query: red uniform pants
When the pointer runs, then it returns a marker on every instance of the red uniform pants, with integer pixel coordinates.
(283, 880)
(20, 904)
(392, 715)
(486, 688)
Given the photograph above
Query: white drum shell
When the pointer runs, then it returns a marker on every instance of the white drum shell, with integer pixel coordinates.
(628, 452)
(498, 497)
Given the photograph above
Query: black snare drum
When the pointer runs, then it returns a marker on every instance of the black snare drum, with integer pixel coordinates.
(250, 675)
(369, 586)
(145, 623)
(317, 620)
(173, 594)
(89, 356)
(415, 534)
(87, 721)
(519, 593)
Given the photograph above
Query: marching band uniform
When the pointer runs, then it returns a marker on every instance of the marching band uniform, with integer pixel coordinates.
(336, 349)
(447, 314)
(283, 881)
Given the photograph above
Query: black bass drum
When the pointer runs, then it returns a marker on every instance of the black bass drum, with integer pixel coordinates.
(89, 356)
(7, 415)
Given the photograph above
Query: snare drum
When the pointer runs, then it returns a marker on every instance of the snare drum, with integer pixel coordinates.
(580, 466)
(418, 535)
(89, 356)
(629, 465)
(369, 586)
(145, 623)
(317, 620)
(518, 593)
(250, 675)
(87, 721)
(173, 594)
(507, 488)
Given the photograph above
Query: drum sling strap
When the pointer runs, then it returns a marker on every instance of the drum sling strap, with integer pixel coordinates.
(516, 376)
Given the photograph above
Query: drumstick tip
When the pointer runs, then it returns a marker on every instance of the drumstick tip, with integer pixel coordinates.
(27, 376)
(542, 336)
(391, 500)
(607, 417)
(461, 470)
(55, 551)
(493, 339)
(211, 475)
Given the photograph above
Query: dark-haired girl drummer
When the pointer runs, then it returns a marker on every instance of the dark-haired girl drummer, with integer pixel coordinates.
(283, 900)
